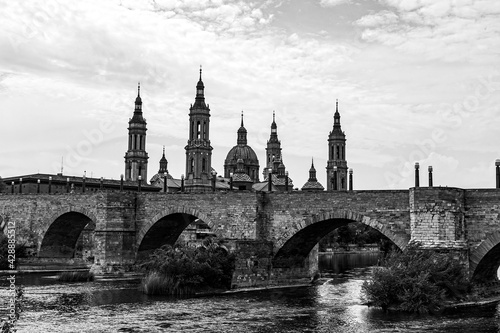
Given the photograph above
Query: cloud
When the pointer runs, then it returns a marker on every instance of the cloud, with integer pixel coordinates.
(333, 3)
(437, 29)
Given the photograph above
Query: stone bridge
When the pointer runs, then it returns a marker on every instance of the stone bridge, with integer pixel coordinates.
(274, 235)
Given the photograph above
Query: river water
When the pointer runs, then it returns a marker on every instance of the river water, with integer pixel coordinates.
(332, 306)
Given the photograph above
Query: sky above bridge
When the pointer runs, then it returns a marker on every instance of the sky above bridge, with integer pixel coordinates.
(416, 80)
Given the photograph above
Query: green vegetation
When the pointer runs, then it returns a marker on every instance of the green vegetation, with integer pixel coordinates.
(2, 185)
(416, 280)
(182, 270)
(83, 276)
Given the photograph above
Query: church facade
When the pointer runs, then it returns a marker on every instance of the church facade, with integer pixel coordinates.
(241, 166)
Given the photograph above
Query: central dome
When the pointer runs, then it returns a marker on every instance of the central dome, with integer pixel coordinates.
(244, 152)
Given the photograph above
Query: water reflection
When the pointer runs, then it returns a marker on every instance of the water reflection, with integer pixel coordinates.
(332, 306)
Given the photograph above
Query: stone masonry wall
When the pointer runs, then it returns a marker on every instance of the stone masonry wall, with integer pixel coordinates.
(386, 211)
(437, 217)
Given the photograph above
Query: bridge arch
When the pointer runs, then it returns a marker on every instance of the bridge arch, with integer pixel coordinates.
(166, 226)
(61, 232)
(484, 260)
(295, 244)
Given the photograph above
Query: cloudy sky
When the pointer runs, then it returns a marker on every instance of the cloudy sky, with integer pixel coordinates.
(417, 80)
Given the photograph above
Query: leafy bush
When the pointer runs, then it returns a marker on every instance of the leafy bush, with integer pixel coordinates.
(416, 280)
(184, 270)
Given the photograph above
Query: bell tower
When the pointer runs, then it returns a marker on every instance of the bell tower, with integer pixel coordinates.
(336, 164)
(198, 148)
(273, 149)
(136, 157)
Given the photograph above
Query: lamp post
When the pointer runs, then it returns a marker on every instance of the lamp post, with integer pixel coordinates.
(38, 186)
(139, 181)
(67, 185)
(350, 180)
(20, 185)
(335, 178)
(497, 165)
(121, 182)
(430, 176)
(50, 184)
(165, 182)
(231, 181)
(182, 183)
(83, 181)
(214, 174)
(101, 183)
(417, 176)
(270, 180)
(12, 187)
(286, 181)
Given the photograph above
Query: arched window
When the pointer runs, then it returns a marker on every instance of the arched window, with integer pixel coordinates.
(204, 130)
(338, 152)
(198, 130)
(140, 141)
(192, 165)
(331, 152)
(203, 165)
(130, 142)
(342, 182)
(343, 152)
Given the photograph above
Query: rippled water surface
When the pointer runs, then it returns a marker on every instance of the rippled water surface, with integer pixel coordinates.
(332, 306)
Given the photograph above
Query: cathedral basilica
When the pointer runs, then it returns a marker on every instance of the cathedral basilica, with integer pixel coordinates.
(241, 166)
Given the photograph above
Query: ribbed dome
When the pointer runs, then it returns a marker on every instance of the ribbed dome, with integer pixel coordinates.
(244, 152)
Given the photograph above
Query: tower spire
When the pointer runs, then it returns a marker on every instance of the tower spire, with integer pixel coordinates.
(200, 72)
(242, 118)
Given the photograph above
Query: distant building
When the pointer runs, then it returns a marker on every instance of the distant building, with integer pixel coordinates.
(337, 164)
(198, 148)
(59, 183)
(136, 157)
(312, 184)
(242, 151)
(241, 166)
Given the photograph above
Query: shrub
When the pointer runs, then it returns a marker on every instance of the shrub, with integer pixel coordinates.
(84, 276)
(416, 280)
(184, 270)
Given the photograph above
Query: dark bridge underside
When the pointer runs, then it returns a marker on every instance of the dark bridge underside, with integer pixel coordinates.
(296, 249)
(61, 237)
(166, 231)
(486, 270)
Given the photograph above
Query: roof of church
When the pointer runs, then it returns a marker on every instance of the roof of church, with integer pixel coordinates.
(160, 176)
(312, 185)
(241, 177)
(244, 152)
(280, 181)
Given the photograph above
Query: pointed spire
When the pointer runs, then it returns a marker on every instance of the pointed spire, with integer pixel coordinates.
(200, 72)
(242, 133)
(138, 100)
(312, 172)
(163, 163)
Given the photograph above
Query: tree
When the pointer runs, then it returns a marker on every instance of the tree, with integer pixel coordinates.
(416, 280)
(2, 185)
